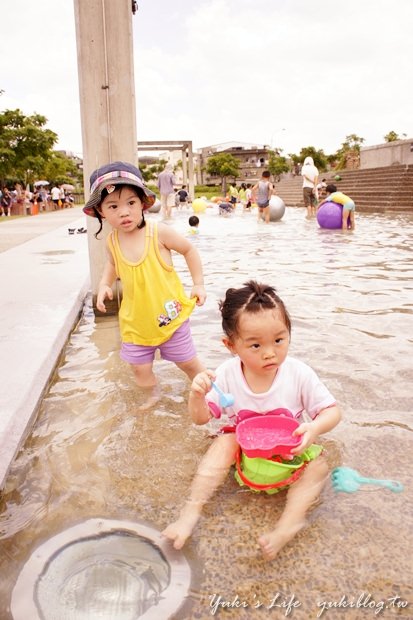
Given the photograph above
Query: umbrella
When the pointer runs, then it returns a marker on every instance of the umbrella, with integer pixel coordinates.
(68, 186)
(41, 183)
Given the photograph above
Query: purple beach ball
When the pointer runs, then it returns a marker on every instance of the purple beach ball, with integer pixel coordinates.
(329, 215)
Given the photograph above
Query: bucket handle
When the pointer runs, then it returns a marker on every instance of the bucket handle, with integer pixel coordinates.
(264, 487)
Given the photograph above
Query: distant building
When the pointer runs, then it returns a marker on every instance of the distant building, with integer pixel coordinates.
(148, 160)
(252, 158)
(75, 158)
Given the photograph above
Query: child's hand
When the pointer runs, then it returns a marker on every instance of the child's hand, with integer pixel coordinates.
(198, 291)
(308, 436)
(201, 383)
(104, 292)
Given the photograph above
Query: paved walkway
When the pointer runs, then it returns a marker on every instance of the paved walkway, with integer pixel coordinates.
(14, 231)
(44, 278)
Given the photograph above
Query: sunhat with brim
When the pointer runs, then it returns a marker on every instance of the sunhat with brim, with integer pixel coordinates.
(112, 175)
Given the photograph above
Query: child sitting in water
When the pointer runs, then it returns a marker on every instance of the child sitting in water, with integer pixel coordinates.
(332, 195)
(193, 225)
(261, 377)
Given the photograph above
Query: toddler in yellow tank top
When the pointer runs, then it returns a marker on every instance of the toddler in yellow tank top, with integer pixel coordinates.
(155, 309)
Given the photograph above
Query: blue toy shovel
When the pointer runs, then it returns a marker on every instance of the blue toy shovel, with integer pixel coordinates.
(225, 400)
(349, 480)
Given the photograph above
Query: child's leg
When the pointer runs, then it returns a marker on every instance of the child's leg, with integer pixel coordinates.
(267, 215)
(300, 497)
(146, 380)
(211, 473)
(181, 347)
(313, 205)
(191, 368)
(346, 213)
(352, 220)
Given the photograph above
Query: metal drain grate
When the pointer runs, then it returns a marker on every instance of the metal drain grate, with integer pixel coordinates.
(102, 569)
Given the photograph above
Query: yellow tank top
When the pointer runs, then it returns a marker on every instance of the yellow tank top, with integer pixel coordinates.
(154, 302)
(339, 197)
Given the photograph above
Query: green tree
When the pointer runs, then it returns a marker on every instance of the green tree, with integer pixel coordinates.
(60, 168)
(392, 136)
(147, 172)
(25, 145)
(150, 172)
(223, 165)
(277, 164)
(319, 157)
(350, 146)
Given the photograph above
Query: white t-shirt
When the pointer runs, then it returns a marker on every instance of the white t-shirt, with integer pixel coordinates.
(296, 387)
(311, 172)
(55, 193)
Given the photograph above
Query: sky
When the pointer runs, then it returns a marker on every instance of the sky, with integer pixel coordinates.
(287, 73)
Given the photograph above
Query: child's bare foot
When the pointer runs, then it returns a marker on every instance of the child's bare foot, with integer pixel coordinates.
(274, 541)
(153, 395)
(180, 530)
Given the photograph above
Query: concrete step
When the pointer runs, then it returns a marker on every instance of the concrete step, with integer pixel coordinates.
(373, 189)
(400, 193)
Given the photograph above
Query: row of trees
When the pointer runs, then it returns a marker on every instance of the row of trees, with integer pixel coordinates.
(27, 155)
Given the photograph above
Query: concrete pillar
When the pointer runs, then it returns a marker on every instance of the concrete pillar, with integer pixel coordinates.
(191, 188)
(107, 98)
(184, 167)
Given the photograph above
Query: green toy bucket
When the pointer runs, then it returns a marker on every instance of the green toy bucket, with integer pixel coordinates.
(272, 475)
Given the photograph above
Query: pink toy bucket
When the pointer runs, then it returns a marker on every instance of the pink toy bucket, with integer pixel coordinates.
(267, 435)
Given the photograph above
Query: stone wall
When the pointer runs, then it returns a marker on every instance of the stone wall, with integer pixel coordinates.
(389, 154)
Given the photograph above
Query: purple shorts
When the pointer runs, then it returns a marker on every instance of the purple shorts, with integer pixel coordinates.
(179, 348)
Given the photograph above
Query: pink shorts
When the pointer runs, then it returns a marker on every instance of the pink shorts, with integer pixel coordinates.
(179, 348)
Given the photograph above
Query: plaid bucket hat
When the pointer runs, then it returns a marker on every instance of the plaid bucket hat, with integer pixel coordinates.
(116, 173)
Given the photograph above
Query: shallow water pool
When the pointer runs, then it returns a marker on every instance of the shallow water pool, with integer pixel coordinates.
(92, 454)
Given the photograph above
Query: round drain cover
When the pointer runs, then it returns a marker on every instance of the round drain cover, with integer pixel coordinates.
(102, 569)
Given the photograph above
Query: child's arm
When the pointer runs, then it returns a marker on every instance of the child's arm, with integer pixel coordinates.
(326, 199)
(314, 181)
(197, 405)
(325, 421)
(105, 284)
(174, 241)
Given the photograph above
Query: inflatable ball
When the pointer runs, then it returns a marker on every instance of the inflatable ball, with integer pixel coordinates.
(277, 208)
(329, 215)
(199, 205)
(156, 207)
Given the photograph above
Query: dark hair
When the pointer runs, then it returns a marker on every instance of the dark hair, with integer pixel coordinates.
(266, 174)
(331, 188)
(137, 191)
(252, 297)
(193, 220)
